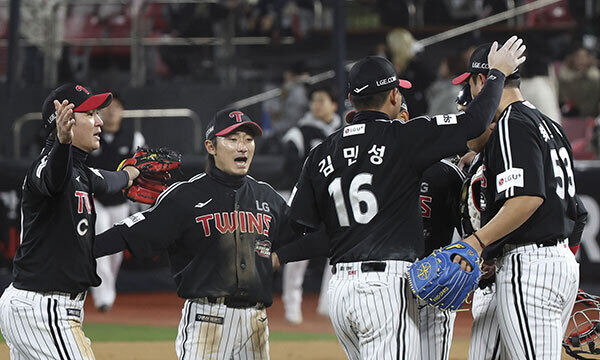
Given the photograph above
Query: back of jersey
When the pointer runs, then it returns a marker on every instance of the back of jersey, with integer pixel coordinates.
(530, 155)
(365, 190)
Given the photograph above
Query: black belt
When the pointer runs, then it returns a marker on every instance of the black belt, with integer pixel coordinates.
(375, 266)
(232, 302)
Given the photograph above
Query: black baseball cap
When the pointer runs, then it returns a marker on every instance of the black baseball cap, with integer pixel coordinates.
(81, 97)
(227, 121)
(372, 75)
(478, 64)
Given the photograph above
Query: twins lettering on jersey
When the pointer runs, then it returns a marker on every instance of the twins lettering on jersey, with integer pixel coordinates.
(83, 200)
(246, 221)
(425, 206)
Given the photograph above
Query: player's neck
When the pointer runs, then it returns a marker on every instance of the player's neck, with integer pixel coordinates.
(509, 96)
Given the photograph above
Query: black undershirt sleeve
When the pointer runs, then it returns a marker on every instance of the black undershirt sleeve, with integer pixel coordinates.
(582, 214)
(482, 109)
(59, 167)
(112, 181)
(109, 242)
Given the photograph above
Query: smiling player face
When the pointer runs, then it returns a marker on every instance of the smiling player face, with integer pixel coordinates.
(233, 153)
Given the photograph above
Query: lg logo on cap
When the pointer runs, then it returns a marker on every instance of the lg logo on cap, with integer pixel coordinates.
(237, 115)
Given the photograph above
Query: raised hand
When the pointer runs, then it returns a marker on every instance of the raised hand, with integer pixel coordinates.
(508, 57)
(64, 121)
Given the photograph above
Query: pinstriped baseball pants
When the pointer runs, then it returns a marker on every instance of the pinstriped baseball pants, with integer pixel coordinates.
(43, 325)
(436, 328)
(215, 331)
(374, 314)
(485, 333)
(536, 289)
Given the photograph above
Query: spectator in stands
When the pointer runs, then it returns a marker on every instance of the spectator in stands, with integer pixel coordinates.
(536, 84)
(442, 94)
(411, 66)
(117, 142)
(283, 113)
(320, 122)
(579, 84)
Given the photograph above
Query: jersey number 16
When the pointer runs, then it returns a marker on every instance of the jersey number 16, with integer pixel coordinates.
(356, 196)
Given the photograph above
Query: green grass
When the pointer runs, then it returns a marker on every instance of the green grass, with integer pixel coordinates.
(120, 332)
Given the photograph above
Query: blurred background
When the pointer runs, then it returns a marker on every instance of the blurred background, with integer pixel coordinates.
(174, 63)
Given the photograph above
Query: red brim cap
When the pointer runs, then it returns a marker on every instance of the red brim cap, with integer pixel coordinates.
(461, 78)
(98, 101)
(231, 128)
(405, 84)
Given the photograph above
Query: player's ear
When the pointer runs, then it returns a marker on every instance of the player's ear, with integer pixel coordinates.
(350, 99)
(210, 147)
(392, 96)
(481, 78)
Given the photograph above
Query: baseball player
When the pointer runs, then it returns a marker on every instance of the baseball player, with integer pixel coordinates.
(116, 143)
(41, 312)
(529, 208)
(439, 196)
(363, 181)
(219, 228)
(320, 122)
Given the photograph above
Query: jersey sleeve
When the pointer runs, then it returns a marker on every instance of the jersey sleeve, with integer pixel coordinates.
(157, 227)
(304, 213)
(50, 173)
(517, 160)
(108, 182)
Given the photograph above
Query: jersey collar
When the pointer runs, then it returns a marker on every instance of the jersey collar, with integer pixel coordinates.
(232, 181)
(369, 115)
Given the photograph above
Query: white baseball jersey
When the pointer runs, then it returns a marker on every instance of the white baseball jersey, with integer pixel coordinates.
(43, 325)
(374, 313)
(215, 331)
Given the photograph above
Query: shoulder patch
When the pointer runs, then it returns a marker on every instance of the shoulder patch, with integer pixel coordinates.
(354, 130)
(446, 119)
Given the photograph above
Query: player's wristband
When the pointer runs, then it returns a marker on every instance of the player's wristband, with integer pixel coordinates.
(479, 240)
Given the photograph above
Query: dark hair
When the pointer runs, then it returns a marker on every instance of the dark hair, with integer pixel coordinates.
(374, 101)
(330, 91)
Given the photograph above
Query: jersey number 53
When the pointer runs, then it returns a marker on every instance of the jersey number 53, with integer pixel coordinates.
(559, 173)
(362, 215)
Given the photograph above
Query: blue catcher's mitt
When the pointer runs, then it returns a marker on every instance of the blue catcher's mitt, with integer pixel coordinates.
(442, 283)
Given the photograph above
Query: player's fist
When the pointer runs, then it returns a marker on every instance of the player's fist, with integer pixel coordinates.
(64, 121)
(508, 57)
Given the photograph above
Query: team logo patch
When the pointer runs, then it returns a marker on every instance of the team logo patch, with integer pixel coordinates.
(424, 271)
(510, 178)
(74, 312)
(81, 88)
(210, 319)
(263, 248)
(133, 219)
(446, 119)
(354, 130)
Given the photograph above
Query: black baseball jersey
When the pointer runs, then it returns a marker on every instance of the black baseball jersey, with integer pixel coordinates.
(58, 220)
(219, 231)
(114, 147)
(297, 142)
(439, 196)
(529, 154)
(363, 183)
